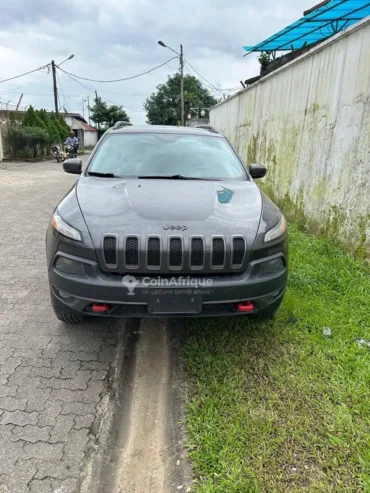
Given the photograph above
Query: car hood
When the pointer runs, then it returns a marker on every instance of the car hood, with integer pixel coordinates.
(150, 206)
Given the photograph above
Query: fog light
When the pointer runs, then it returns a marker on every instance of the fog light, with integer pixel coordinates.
(272, 266)
(69, 266)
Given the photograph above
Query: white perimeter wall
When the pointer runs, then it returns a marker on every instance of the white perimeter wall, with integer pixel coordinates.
(309, 122)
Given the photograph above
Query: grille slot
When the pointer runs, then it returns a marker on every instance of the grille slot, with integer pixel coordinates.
(238, 251)
(110, 250)
(218, 253)
(132, 252)
(175, 254)
(153, 255)
(197, 253)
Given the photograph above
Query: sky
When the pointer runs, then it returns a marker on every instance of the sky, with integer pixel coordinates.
(119, 38)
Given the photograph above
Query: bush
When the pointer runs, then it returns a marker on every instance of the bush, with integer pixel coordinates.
(27, 141)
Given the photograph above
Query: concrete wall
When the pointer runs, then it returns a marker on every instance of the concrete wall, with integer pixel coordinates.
(309, 122)
(1, 147)
(90, 138)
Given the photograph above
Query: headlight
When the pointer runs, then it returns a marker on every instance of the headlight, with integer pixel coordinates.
(69, 266)
(271, 266)
(277, 231)
(65, 229)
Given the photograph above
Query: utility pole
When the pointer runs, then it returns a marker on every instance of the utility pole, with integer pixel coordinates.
(181, 57)
(55, 87)
(88, 108)
(97, 112)
(19, 102)
(182, 84)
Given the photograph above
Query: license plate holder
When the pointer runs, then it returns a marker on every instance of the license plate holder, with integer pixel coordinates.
(167, 303)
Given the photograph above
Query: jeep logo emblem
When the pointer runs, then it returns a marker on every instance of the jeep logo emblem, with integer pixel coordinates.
(175, 227)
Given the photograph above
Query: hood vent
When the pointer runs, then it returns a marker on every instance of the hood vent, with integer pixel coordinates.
(110, 250)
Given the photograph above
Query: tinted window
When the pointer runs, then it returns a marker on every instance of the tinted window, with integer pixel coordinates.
(143, 154)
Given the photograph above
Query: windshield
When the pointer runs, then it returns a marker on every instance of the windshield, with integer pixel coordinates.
(157, 155)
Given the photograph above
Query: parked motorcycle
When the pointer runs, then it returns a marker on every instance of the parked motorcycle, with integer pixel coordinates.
(58, 154)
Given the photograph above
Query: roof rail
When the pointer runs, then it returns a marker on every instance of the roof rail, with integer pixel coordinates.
(121, 124)
(208, 127)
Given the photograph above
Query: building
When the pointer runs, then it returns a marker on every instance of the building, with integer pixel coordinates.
(87, 134)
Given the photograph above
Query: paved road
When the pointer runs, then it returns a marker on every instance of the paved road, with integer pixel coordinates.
(90, 408)
(53, 378)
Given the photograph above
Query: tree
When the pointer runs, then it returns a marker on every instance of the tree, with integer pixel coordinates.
(163, 107)
(106, 116)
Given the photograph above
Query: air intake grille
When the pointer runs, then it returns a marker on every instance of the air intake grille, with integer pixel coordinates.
(154, 252)
(197, 252)
(238, 251)
(218, 252)
(132, 252)
(175, 252)
(110, 250)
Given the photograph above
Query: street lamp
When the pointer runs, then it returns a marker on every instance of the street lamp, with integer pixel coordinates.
(181, 57)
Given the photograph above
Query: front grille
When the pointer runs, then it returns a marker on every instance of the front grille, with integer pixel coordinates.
(175, 255)
(197, 253)
(110, 250)
(218, 252)
(132, 252)
(238, 251)
(154, 253)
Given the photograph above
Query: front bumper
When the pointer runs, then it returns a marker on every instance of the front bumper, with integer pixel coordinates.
(219, 295)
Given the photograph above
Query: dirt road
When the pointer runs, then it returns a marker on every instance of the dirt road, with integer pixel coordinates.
(141, 448)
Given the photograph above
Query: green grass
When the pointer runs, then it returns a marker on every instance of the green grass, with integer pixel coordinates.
(276, 406)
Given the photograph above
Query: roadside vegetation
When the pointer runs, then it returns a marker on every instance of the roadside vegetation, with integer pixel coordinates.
(278, 406)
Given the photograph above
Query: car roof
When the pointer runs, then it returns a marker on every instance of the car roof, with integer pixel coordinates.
(165, 129)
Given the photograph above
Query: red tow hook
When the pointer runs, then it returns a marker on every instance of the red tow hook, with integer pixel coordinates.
(100, 307)
(245, 306)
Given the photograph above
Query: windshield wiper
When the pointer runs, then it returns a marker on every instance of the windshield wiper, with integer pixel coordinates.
(173, 177)
(102, 175)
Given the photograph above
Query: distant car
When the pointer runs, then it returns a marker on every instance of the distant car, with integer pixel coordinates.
(165, 221)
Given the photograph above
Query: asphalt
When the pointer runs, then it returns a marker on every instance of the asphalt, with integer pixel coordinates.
(93, 407)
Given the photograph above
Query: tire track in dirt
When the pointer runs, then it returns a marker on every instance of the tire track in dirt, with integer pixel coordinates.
(140, 448)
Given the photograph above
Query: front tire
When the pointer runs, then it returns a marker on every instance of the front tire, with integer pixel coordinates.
(270, 312)
(68, 318)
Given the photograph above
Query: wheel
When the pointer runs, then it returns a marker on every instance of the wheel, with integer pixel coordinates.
(269, 312)
(69, 318)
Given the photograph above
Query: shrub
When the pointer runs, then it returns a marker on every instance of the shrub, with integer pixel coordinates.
(27, 141)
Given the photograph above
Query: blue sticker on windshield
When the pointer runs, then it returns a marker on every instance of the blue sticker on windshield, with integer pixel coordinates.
(224, 195)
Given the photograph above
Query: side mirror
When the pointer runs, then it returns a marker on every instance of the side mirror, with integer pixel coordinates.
(73, 166)
(257, 170)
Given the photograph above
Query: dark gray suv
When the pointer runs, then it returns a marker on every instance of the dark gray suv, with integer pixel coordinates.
(165, 221)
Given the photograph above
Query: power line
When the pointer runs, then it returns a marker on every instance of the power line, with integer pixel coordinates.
(61, 90)
(93, 91)
(27, 84)
(201, 76)
(26, 73)
(118, 80)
